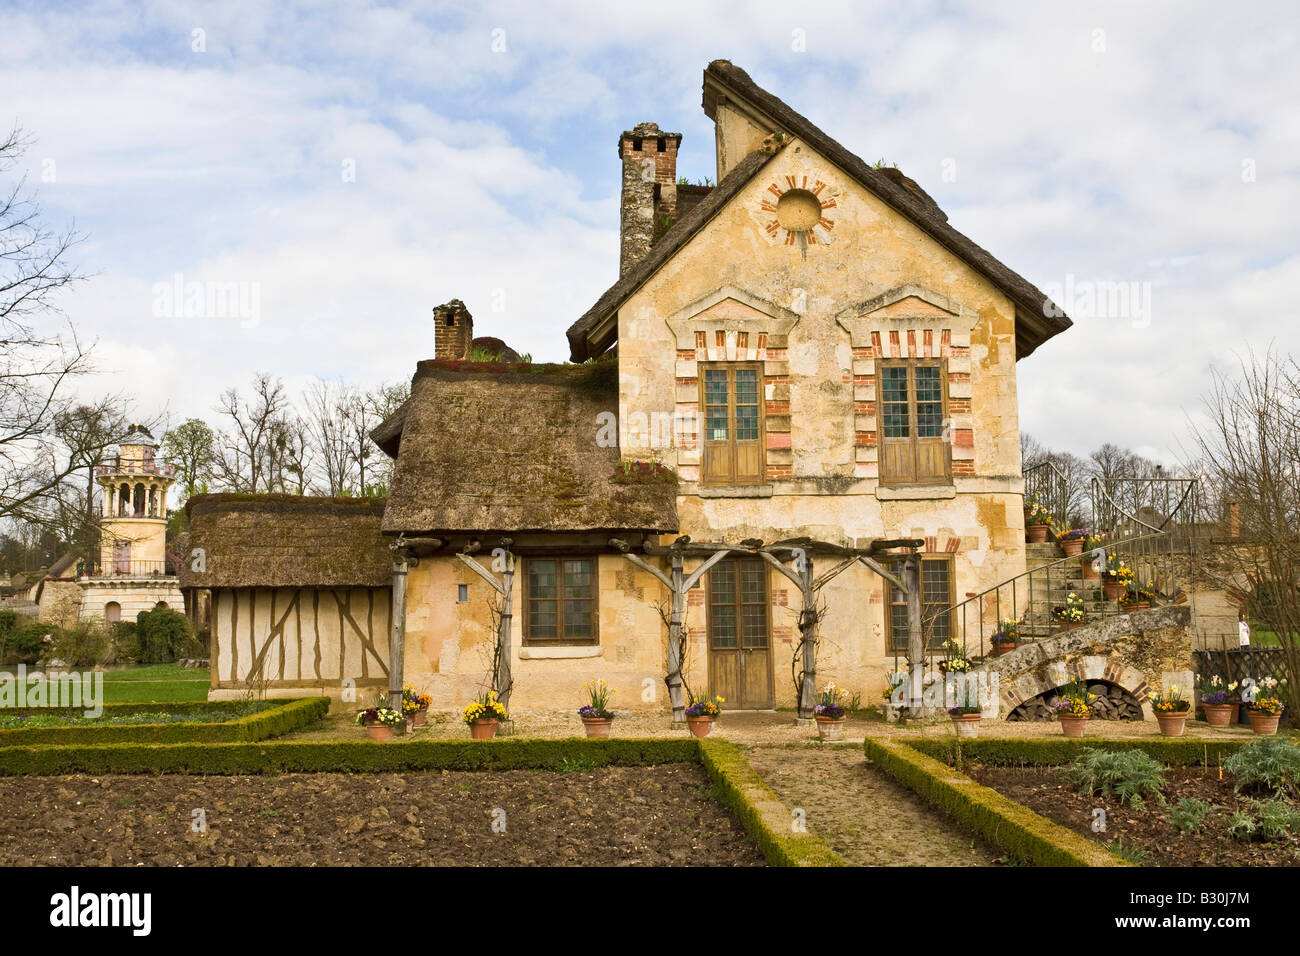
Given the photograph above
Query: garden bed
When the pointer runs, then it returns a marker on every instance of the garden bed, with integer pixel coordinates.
(160, 723)
(1046, 791)
(664, 815)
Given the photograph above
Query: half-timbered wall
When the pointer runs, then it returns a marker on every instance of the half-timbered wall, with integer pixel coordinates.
(300, 637)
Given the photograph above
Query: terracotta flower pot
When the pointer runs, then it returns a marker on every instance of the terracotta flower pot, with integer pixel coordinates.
(1113, 590)
(483, 729)
(1089, 572)
(1068, 625)
(597, 726)
(378, 731)
(1005, 648)
(419, 718)
(700, 726)
(829, 728)
(1036, 533)
(967, 725)
(1072, 547)
(1263, 724)
(1072, 726)
(1172, 725)
(1220, 715)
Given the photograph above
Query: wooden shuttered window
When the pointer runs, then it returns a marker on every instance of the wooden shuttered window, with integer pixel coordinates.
(560, 601)
(731, 402)
(936, 596)
(912, 434)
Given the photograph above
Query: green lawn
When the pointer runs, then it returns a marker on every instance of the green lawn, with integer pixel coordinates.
(160, 683)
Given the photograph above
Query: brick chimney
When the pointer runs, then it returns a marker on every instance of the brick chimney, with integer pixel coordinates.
(649, 188)
(453, 330)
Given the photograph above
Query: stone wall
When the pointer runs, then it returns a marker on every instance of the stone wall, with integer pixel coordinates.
(1141, 652)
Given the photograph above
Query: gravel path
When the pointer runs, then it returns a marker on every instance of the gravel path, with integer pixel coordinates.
(866, 817)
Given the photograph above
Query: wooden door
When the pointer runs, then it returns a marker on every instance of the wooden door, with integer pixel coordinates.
(121, 557)
(740, 653)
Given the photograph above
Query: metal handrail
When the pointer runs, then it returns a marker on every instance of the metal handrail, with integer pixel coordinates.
(1041, 573)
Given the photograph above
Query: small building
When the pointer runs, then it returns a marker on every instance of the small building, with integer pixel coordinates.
(801, 387)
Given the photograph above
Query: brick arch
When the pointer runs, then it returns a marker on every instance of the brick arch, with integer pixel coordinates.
(1041, 667)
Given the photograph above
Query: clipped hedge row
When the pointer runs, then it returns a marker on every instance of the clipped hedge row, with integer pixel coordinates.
(760, 810)
(1006, 824)
(1057, 751)
(272, 722)
(352, 756)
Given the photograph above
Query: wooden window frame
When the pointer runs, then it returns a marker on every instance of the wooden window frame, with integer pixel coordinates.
(761, 478)
(911, 364)
(897, 646)
(561, 639)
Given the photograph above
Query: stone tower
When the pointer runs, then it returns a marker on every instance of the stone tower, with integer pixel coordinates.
(453, 331)
(134, 508)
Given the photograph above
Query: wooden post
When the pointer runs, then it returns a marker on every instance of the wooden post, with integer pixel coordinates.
(808, 634)
(674, 679)
(915, 637)
(397, 630)
(503, 679)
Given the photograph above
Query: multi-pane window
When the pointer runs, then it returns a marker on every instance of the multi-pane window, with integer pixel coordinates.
(560, 601)
(730, 395)
(738, 605)
(913, 409)
(936, 597)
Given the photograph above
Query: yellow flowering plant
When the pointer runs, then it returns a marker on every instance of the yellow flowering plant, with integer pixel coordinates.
(1074, 700)
(705, 705)
(597, 706)
(484, 707)
(1171, 701)
(413, 701)
(1268, 697)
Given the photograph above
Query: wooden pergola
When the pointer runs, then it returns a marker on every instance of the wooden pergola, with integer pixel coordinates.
(799, 552)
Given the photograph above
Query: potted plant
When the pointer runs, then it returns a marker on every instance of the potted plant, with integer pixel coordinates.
(1006, 637)
(1266, 709)
(483, 715)
(380, 722)
(1171, 710)
(1037, 521)
(702, 712)
(596, 715)
(831, 713)
(966, 720)
(1091, 544)
(415, 706)
(1070, 614)
(954, 658)
(1072, 541)
(1074, 708)
(1116, 578)
(1220, 701)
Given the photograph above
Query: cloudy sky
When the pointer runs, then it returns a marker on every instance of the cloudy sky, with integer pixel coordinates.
(354, 164)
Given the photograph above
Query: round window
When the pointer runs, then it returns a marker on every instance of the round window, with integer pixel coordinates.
(798, 210)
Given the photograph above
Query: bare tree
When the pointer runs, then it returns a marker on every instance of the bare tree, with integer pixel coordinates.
(249, 452)
(327, 404)
(1250, 454)
(36, 368)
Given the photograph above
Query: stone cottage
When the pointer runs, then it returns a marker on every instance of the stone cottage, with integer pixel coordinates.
(803, 377)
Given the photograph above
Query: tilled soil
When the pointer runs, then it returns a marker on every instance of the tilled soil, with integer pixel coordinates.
(1046, 791)
(610, 816)
(866, 816)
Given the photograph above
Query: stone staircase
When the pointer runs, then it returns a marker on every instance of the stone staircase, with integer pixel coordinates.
(1048, 590)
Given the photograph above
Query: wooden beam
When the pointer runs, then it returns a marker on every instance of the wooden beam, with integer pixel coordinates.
(482, 572)
(699, 572)
(883, 572)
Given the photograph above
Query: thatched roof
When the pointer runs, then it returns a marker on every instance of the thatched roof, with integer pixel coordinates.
(286, 541)
(388, 433)
(1034, 325)
(513, 448)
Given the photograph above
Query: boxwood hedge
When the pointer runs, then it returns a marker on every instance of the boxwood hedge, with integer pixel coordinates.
(272, 722)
